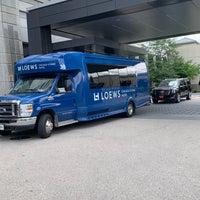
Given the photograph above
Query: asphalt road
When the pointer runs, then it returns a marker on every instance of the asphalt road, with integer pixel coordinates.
(152, 156)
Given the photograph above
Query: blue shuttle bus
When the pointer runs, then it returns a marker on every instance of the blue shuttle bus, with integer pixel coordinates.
(61, 88)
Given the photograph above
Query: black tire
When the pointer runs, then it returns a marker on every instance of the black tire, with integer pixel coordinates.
(189, 96)
(155, 100)
(130, 110)
(45, 126)
(177, 98)
(4, 133)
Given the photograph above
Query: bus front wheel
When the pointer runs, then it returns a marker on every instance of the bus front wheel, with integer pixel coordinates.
(45, 126)
(130, 110)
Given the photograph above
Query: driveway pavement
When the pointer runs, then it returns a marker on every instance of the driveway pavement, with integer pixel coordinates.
(152, 156)
(185, 110)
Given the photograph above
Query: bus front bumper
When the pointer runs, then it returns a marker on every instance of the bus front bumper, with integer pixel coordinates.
(17, 124)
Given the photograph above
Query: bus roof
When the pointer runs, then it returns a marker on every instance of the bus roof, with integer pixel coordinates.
(62, 61)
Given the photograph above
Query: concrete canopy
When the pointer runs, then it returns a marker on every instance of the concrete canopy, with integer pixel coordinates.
(110, 24)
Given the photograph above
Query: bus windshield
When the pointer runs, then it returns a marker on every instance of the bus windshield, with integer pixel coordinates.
(33, 84)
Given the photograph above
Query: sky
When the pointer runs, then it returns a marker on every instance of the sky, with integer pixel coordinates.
(193, 36)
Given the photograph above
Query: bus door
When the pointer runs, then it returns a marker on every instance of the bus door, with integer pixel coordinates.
(65, 100)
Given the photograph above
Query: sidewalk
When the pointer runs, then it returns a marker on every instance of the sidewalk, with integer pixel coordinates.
(196, 95)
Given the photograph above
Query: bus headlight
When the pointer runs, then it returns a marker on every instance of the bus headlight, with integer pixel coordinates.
(26, 110)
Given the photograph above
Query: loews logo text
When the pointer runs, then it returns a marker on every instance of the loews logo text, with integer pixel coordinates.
(106, 95)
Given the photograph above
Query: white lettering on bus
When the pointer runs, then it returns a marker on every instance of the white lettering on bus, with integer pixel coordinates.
(40, 66)
(107, 95)
(27, 67)
(96, 97)
(116, 94)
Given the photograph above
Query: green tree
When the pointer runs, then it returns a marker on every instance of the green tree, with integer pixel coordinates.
(186, 68)
(164, 61)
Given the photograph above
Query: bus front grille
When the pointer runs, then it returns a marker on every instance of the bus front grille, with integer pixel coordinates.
(8, 109)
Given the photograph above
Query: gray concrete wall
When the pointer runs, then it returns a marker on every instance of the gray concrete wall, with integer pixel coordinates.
(10, 40)
(13, 32)
(191, 52)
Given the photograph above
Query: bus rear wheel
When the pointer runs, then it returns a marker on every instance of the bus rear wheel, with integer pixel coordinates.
(45, 126)
(130, 110)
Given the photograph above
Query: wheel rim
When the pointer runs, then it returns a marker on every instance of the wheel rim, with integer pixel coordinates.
(130, 109)
(49, 126)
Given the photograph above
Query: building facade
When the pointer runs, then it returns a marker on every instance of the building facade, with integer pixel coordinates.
(13, 36)
(14, 39)
(189, 49)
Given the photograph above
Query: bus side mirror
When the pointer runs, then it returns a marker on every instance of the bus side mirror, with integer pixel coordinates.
(68, 85)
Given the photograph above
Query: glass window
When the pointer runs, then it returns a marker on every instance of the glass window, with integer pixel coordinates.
(64, 85)
(104, 79)
(123, 75)
(132, 75)
(168, 83)
(34, 84)
(110, 75)
(94, 81)
(114, 77)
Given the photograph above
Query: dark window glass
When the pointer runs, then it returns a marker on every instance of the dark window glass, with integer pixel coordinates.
(132, 75)
(104, 78)
(64, 85)
(123, 75)
(94, 80)
(114, 77)
(110, 75)
(98, 76)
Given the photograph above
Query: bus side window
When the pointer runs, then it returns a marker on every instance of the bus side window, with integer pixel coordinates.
(124, 79)
(64, 85)
(68, 85)
(94, 81)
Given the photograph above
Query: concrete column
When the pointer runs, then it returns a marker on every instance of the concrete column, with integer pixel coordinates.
(11, 45)
(40, 40)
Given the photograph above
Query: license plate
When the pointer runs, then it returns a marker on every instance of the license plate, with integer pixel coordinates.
(161, 97)
(1, 127)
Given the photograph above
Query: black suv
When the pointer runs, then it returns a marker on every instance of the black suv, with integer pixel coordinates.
(172, 89)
